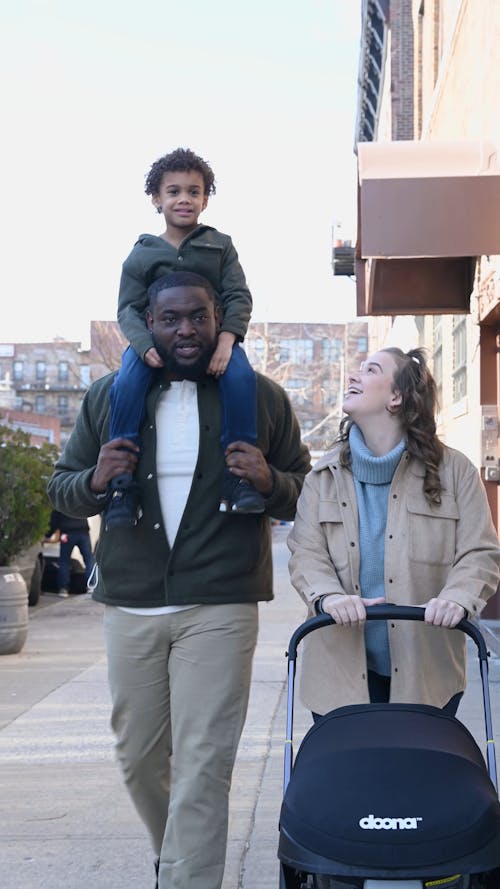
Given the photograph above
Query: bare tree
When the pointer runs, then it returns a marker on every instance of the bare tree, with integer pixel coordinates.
(107, 344)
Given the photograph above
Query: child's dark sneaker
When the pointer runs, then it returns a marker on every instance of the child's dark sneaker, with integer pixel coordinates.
(239, 495)
(246, 499)
(122, 510)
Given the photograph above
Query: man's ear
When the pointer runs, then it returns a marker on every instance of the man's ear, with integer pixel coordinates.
(218, 316)
(149, 319)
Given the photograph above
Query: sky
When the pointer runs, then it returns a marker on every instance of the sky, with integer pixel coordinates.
(97, 90)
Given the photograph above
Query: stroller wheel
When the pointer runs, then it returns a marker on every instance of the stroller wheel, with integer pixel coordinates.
(291, 879)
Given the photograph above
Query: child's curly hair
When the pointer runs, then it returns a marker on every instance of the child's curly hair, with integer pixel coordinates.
(413, 379)
(182, 160)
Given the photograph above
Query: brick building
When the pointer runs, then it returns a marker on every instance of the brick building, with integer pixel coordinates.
(310, 361)
(40, 428)
(44, 379)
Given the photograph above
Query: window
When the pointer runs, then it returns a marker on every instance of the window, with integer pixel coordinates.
(255, 349)
(437, 323)
(63, 372)
(296, 351)
(18, 371)
(332, 351)
(330, 391)
(85, 375)
(459, 357)
(40, 371)
(294, 383)
(362, 344)
(62, 404)
(40, 404)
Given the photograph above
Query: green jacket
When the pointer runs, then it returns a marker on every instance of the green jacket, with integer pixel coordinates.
(216, 557)
(205, 251)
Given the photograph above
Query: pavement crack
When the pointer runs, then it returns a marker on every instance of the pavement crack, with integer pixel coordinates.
(265, 760)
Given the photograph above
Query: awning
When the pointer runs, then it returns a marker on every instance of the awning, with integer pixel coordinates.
(426, 211)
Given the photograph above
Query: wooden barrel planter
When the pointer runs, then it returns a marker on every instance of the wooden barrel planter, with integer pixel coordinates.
(13, 611)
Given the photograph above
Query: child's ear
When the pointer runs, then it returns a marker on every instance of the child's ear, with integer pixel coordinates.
(205, 202)
(155, 200)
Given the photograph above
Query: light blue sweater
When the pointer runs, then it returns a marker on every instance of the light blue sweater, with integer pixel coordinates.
(372, 480)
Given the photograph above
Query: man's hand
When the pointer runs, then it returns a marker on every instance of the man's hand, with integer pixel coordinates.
(348, 610)
(115, 457)
(246, 461)
(152, 358)
(222, 355)
(443, 613)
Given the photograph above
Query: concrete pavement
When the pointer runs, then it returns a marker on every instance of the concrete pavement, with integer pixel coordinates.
(65, 820)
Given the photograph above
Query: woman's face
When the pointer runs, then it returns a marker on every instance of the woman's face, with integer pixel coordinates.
(370, 391)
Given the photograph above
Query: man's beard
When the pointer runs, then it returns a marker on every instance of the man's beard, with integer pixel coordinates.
(174, 368)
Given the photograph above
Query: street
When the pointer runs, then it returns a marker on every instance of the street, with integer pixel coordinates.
(66, 821)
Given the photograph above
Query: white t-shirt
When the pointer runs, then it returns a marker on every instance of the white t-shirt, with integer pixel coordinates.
(177, 444)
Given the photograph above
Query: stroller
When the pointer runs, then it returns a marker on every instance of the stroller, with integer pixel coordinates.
(389, 796)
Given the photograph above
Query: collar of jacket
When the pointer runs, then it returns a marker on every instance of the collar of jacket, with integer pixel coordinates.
(149, 240)
(330, 460)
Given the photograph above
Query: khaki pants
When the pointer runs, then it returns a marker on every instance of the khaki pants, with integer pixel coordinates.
(179, 686)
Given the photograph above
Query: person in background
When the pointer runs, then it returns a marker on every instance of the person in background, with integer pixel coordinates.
(391, 515)
(72, 532)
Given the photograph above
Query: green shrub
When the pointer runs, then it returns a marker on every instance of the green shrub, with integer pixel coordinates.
(24, 507)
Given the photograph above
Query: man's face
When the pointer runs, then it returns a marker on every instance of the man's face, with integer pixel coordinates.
(184, 323)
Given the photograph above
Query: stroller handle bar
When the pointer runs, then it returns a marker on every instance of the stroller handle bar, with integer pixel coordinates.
(390, 612)
(385, 612)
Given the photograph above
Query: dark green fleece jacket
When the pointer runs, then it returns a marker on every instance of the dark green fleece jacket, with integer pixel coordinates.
(216, 557)
(205, 251)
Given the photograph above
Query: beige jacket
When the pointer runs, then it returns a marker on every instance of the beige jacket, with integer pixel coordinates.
(449, 550)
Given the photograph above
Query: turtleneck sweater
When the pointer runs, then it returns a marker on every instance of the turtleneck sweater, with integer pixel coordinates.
(372, 480)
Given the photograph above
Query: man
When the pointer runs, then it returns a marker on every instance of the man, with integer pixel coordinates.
(183, 585)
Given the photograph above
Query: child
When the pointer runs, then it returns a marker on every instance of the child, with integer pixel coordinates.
(180, 184)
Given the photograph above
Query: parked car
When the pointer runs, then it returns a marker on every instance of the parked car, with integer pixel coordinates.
(30, 564)
(38, 566)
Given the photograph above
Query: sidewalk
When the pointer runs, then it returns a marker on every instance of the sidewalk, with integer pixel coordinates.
(65, 819)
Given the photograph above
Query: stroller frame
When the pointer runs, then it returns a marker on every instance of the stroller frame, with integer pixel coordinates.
(383, 612)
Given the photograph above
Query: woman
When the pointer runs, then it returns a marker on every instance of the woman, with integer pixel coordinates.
(391, 515)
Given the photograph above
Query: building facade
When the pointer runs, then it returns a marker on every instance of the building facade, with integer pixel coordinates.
(438, 85)
(310, 361)
(44, 379)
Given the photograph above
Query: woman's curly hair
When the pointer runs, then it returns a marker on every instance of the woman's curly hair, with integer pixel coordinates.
(182, 160)
(413, 379)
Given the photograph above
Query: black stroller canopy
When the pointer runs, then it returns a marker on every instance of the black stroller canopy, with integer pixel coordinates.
(388, 787)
